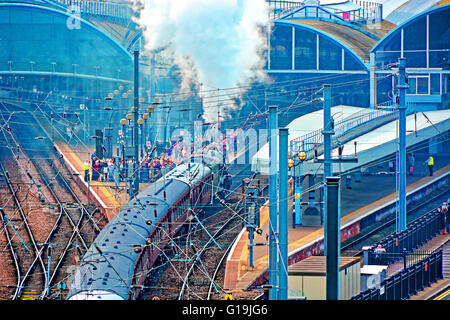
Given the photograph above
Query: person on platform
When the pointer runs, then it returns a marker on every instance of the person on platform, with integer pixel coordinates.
(411, 162)
(86, 167)
(379, 250)
(122, 169)
(104, 169)
(111, 169)
(443, 212)
(430, 164)
(392, 166)
(96, 170)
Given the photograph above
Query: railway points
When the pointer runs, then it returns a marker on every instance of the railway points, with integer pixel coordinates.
(143, 157)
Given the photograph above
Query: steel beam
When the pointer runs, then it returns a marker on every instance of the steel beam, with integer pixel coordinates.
(273, 202)
(283, 215)
(402, 87)
(333, 247)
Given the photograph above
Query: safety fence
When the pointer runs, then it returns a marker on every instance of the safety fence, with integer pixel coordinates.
(409, 269)
(409, 281)
(399, 245)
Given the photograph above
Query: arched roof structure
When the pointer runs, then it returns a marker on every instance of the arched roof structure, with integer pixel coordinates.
(424, 41)
(39, 38)
(316, 45)
(418, 39)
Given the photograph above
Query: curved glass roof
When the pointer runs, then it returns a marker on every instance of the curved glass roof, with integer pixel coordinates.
(37, 38)
(315, 49)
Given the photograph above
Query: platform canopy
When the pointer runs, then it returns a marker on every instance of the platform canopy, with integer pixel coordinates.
(382, 142)
(299, 127)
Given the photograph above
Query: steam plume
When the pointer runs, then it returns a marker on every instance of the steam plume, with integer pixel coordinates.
(215, 43)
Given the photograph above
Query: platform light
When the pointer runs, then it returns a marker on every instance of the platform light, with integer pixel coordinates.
(125, 95)
(123, 121)
(116, 92)
(146, 116)
(120, 87)
(129, 116)
(140, 121)
(302, 155)
(290, 163)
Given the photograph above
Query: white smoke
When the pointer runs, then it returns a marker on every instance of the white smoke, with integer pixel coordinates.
(216, 43)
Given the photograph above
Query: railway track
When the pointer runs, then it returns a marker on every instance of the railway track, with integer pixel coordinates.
(213, 256)
(67, 233)
(192, 268)
(68, 224)
(25, 250)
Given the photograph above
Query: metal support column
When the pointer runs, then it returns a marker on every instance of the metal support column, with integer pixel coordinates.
(402, 87)
(333, 248)
(283, 214)
(273, 201)
(135, 121)
(327, 132)
(298, 196)
(373, 82)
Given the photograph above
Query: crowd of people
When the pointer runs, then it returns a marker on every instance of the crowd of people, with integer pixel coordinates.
(153, 168)
(118, 170)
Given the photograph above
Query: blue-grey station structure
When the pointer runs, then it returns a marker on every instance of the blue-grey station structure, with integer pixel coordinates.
(74, 60)
(72, 55)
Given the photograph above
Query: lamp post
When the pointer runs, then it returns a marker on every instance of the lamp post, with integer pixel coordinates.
(108, 133)
(145, 116)
(150, 110)
(129, 117)
(123, 122)
(140, 142)
(297, 174)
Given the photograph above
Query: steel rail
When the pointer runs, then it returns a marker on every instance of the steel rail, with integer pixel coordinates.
(63, 211)
(216, 234)
(14, 255)
(30, 233)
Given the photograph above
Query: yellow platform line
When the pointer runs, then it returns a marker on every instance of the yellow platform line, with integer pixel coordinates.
(443, 295)
(105, 191)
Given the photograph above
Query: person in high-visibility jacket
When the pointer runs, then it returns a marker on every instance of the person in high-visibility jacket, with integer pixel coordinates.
(430, 163)
(86, 167)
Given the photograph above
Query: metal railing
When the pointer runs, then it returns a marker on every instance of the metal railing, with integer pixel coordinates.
(409, 269)
(308, 142)
(119, 12)
(398, 246)
(280, 9)
(409, 281)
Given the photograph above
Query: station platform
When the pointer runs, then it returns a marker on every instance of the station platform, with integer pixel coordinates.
(370, 197)
(109, 197)
(106, 195)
